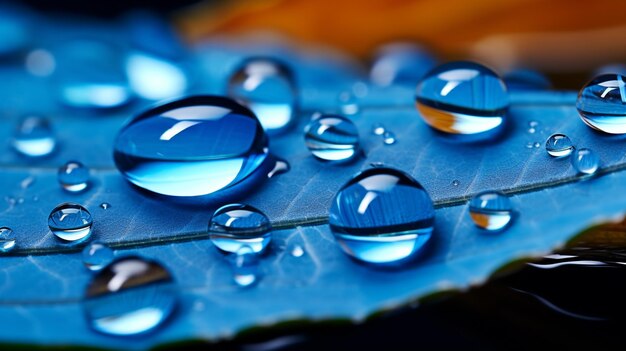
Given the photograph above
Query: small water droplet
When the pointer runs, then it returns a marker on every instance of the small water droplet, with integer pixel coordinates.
(97, 255)
(7, 239)
(378, 129)
(73, 176)
(70, 222)
(179, 148)
(382, 216)
(401, 64)
(348, 103)
(585, 161)
(40, 63)
(105, 205)
(462, 98)
(297, 251)
(130, 296)
(19, 200)
(529, 145)
(246, 266)
(533, 124)
(332, 138)
(455, 183)
(491, 210)
(531, 130)
(280, 167)
(360, 89)
(559, 145)
(601, 103)
(234, 226)
(34, 137)
(536, 145)
(389, 138)
(27, 182)
(267, 87)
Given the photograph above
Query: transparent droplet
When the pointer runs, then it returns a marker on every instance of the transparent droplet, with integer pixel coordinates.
(378, 129)
(559, 145)
(7, 239)
(491, 210)
(389, 138)
(530, 145)
(348, 103)
(34, 137)
(533, 124)
(73, 176)
(97, 255)
(462, 98)
(297, 251)
(585, 161)
(601, 103)
(536, 145)
(526, 79)
(531, 130)
(233, 226)
(105, 205)
(27, 182)
(332, 138)
(280, 167)
(90, 74)
(130, 296)
(455, 183)
(246, 266)
(155, 78)
(267, 87)
(70, 222)
(401, 64)
(40, 63)
(192, 147)
(382, 216)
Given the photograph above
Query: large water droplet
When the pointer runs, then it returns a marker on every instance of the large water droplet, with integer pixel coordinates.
(246, 266)
(130, 296)
(73, 176)
(34, 137)
(490, 210)
(192, 147)
(601, 103)
(462, 98)
(155, 78)
(70, 222)
(332, 138)
(90, 74)
(585, 161)
(267, 87)
(526, 79)
(96, 255)
(401, 63)
(233, 226)
(559, 145)
(7, 239)
(382, 216)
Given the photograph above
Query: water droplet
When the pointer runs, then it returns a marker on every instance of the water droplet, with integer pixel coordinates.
(20, 200)
(234, 226)
(105, 205)
(267, 87)
(70, 222)
(154, 78)
(297, 251)
(7, 239)
(279, 168)
(401, 64)
(360, 89)
(536, 145)
(40, 63)
(332, 138)
(526, 79)
(491, 210)
(73, 176)
(559, 145)
(246, 266)
(96, 256)
(27, 182)
(455, 183)
(34, 137)
(533, 124)
(382, 216)
(529, 145)
(378, 129)
(585, 161)
(348, 103)
(90, 74)
(531, 130)
(389, 138)
(191, 147)
(462, 98)
(130, 296)
(601, 104)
